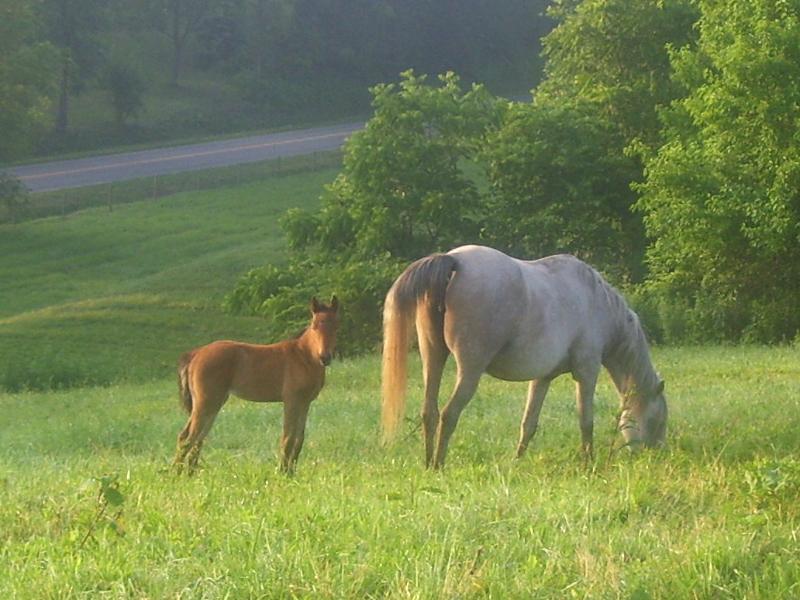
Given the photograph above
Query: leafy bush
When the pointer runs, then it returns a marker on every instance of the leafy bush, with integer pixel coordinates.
(282, 296)
(404, 192)
(14, 198)
(126, 88)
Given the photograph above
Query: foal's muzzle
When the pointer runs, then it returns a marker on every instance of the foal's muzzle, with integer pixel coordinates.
(325, 359)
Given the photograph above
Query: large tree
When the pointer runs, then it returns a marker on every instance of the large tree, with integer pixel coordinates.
(722, 196)
(27, 79)
(614, 54)
(73, 28)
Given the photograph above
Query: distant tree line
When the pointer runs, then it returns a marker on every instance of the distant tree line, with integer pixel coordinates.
(663, 146)
(280, 54)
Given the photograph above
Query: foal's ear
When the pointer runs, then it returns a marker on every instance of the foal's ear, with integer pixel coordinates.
(315, 305)
(335, 303)
(660, 388)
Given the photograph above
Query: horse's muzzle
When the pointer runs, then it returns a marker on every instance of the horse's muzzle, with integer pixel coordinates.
(325, 359)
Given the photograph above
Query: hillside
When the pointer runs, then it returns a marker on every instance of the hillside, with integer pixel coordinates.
(101, 296)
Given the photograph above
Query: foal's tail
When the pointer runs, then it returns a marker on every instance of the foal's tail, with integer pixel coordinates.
(423, 282)
(184, 392)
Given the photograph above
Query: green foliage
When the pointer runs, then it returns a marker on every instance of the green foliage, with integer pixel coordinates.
(721, 195)
(403, 188)
(14, 198)
(404, 191)
(561, 183)
(281, 295)
(614, 54)
(109, 498)
(27, 79)
(126, 89)
(226, 67)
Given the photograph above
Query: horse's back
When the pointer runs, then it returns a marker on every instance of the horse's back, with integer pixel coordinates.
(523, 318)
(250, 371)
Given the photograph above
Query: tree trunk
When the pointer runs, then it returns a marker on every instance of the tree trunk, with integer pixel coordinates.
(62, 113)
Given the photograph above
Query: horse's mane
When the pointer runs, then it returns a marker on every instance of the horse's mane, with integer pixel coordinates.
(629, 350)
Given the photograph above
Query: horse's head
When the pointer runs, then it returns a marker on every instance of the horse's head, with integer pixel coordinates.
(324, 323)
(644, 418)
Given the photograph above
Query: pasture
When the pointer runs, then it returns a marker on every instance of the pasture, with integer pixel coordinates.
(101, 303)
(713, 516)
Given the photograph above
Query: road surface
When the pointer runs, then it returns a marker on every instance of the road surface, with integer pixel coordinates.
(163, 161)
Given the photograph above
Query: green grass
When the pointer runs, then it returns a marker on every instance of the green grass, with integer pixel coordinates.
(99, 296)
(713, 516)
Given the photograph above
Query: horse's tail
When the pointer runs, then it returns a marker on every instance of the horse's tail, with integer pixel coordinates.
(184, 391)
(424, 281)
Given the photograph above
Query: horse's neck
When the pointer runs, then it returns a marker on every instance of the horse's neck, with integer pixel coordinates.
(629, 364)
(302, 344)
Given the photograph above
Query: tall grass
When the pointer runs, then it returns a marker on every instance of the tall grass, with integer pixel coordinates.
(715, 515)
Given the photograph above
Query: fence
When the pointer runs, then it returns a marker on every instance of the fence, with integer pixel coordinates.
(64, 202)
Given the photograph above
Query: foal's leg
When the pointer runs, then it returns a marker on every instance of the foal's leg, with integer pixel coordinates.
(537, 390)
(434, 353)
(183, 447)
(295, 413)
(466, 384)
(585, 382)
(190, 440)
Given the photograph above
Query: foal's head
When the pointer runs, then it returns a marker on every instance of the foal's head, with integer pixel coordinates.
(644, 419)
(322, 331)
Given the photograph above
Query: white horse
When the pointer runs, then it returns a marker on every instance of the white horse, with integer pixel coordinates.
(516, 320)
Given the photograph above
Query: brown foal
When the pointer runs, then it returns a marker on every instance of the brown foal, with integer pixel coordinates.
(291, 371)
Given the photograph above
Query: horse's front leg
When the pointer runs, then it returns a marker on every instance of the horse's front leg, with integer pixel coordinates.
(585, 382)
(295, 413)
(537, 390)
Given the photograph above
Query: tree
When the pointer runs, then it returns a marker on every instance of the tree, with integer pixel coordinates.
(13, 197)
(722, 195)
(126, 89)
(607, 73)
(614, 54)
(560, 183)
(27, 79)
(179, 20)
(405, 190)
(73, 27)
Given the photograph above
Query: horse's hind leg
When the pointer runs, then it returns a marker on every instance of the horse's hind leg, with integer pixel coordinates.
(466, 384)
(434, 353)
(537, 390)
(183, 446)
(190, 440)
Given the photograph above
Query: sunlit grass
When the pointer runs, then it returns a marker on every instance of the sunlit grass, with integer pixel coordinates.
(713, 516)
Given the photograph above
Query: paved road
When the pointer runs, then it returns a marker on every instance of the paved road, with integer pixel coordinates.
(148, 163)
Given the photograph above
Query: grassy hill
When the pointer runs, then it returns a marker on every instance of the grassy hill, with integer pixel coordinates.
(101, 296)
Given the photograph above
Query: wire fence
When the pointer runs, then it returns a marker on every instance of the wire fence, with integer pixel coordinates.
(67, 201)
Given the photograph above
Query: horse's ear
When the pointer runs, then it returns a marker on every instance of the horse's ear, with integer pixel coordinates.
(314, 305)
(335, 303)
(660, 388)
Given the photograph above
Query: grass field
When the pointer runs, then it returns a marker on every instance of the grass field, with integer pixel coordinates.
(100, 296)
(713, 516)
(90, 508)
